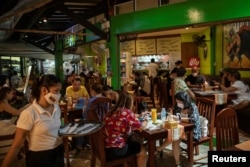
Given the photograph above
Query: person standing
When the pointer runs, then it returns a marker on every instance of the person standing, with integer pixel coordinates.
(152, 69)
(180, 85)
(14, 80)
(39, 124)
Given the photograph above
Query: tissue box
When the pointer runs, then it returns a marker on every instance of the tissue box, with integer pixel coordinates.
(171, 124)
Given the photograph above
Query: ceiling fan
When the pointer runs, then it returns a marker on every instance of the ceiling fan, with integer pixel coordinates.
(201, 42)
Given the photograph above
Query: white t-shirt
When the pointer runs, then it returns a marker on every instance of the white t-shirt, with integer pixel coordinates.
(42, 126)
(242, 92)
(152, 69)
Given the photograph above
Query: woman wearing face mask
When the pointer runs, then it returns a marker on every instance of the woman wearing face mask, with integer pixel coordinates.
(186, 110)
(39, 124)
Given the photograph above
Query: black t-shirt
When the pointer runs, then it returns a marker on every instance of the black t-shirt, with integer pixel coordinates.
(198, 80)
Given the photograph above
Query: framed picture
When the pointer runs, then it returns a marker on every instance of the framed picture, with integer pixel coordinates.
(236, 45)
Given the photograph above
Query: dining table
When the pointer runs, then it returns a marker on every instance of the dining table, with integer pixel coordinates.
(243, 146)
(152, 135)
(213, 92)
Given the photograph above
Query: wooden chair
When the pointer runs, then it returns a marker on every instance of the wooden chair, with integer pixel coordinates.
(97, 111)
(137, 101)
(98, 151)
(206, 109)
(5, 143)
(227, 134)
(99, 108)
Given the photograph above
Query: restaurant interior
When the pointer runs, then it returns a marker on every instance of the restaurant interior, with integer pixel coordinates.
(116, 39)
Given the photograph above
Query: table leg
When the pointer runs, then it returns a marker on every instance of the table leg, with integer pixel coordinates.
(151, 153)
(190, 148)
(66, 150)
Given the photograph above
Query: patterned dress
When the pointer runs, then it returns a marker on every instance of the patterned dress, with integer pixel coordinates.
(118, 126)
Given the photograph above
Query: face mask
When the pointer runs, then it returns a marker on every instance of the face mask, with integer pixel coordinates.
(52, 98)
(195, 74)
(180, 105)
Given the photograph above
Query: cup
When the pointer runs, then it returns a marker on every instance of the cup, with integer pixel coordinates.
(154, 114)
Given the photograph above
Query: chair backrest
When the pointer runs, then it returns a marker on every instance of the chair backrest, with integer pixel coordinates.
(99, 107)
(207, 109)
(5, 143)
(227, 134)
(137, 101)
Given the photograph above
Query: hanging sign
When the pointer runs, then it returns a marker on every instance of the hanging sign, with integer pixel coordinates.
(194, 61)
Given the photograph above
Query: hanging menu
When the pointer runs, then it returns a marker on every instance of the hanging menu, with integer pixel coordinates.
(128, 46)
(145, 47)
(168, 45)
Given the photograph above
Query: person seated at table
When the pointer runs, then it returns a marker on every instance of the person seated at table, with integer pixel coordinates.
(108, 92)
(39, 124)
(195, 80)
(80, 143)
(7, 112)
(237, 86)
(118, 123)
(224, 77)
(186, 111)
(95, 92)
(76, 90)
(180, 85)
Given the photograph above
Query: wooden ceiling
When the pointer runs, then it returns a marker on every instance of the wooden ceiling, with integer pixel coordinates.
(60, 15)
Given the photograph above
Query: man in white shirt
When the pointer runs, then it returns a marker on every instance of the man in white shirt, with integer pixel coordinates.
(152, 69)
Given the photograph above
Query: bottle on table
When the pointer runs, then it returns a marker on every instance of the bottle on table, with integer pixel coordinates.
(163, 114)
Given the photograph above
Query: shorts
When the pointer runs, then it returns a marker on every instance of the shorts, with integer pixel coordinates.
(132, 148)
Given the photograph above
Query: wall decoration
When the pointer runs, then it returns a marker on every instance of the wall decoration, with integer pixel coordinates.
(236, 45)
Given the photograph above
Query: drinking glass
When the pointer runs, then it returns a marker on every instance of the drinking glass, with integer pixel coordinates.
(154, 114)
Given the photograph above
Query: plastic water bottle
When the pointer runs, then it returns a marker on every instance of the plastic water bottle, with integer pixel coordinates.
(163, 114)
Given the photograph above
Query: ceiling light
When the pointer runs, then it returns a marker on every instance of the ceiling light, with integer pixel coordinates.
(44, 20)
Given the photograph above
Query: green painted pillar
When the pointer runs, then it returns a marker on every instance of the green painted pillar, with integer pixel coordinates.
(212, 48)
(59, 59)
(115, 61)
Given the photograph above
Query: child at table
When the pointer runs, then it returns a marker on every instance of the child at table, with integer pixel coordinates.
(186, 111)
(118, 123)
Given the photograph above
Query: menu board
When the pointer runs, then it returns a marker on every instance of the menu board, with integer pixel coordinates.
(128, 46)
(170, 46)
(145, 47)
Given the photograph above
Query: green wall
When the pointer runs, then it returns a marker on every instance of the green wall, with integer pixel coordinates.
(188, 13)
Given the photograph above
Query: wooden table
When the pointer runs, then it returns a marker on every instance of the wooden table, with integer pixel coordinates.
(153, 135)
(244, 146)
(210, 94)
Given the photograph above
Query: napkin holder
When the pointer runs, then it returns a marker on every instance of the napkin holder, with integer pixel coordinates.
(170, 123)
